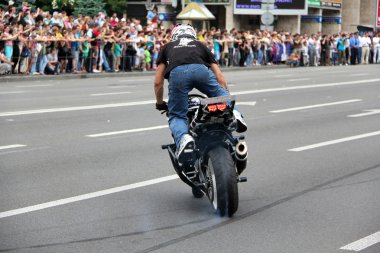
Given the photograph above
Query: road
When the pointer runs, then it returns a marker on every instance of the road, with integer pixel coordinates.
(82, 169)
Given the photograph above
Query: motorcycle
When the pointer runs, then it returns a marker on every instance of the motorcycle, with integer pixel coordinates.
(219, 158)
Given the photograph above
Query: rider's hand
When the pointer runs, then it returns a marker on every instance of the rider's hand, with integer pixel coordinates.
(162, 107)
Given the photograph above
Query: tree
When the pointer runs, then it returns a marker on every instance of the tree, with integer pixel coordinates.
(88, 7)
(116, 6)
(63, 4)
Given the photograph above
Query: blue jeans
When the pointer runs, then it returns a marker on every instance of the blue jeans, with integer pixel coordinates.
(43, 63)
(182, 80)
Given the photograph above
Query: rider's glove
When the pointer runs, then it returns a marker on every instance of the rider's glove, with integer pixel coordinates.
(162, 107)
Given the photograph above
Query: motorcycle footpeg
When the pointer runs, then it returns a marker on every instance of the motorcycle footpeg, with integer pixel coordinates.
(242, 179)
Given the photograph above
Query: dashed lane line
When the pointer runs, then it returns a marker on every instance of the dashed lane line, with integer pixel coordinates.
(327, 143)
(12, 146)
(363, 243)
(110, 93)
(316, 106)
(86, 196)
(12, 92)
(127, 131)
(376, 81)
(298, 80)
(78, 108)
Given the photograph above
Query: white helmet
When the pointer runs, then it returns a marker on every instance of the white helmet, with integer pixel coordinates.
(183, 30)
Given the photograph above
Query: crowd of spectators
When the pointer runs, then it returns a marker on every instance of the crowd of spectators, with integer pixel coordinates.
(38, 43)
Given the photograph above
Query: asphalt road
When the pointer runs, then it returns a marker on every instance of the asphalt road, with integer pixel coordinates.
(81, 168)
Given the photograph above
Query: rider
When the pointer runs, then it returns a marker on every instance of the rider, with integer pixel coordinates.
(187, 64)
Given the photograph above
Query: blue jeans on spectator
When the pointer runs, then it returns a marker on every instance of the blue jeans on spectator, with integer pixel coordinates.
(43, 63)
(182, 80)
(106, 66)
(34, 65)
(360, 52)
(249, 59)
(334, 58)
(75, 55)
(260, 56)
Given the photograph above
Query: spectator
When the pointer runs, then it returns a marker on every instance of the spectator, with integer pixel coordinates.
(341, 42)
(293, 60)
(366, 43)
(53, 65)
(376, 48)
(5, 64)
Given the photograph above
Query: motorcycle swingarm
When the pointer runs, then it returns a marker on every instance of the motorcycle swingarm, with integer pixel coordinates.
(171, 149)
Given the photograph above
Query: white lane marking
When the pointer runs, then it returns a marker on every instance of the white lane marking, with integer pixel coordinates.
(122, 86)
(135, 80)
(253, 103)
(86, 196)
(76, 108)
(153, 101)
(32, 86)
(327, 143)
(365, 113)
(306, 87)
(363, 243)
(111, 93)
(287, 75)
(12, 146)
(359, 74)
(11, 92)
(127, 131)
(316, 106)
(297, 80)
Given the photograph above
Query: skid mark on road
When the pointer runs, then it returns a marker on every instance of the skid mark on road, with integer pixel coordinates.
(256, 211)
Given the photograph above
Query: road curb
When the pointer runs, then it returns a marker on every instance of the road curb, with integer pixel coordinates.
(26, 78)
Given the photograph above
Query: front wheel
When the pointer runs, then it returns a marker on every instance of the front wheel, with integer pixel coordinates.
(222, 181)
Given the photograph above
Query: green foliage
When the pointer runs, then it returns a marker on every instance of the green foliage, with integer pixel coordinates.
(116, 6)
(89, 7)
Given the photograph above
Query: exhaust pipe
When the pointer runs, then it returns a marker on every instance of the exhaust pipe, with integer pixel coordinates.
(241, 155)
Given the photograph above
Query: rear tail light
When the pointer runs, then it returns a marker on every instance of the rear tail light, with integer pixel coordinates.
(215, 107)
(212, 108)
(221, 107)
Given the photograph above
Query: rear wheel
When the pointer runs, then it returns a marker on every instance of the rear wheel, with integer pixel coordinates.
(222, 182)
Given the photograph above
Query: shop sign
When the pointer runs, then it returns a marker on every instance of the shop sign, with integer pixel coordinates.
(314, 3)
(331, 3)
(311, 19)
(378, 14)
(325, 3)
(332, 20)
(216, 2)
(281, 7)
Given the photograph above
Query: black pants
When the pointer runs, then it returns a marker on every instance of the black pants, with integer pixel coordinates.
(323, 58)
(109, 57)
(230, 56)
(354, 56)
(52, 71)
(89, 61)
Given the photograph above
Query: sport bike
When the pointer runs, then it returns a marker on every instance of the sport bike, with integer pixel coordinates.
(214, 167)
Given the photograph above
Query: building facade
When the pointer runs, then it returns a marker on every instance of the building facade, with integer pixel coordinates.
(297, 16)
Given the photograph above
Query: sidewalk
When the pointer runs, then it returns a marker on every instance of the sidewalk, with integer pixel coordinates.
(25, 78)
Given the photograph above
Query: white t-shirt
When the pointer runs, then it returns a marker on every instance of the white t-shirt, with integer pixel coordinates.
(376, 41)
(311, 42)
(366, 42)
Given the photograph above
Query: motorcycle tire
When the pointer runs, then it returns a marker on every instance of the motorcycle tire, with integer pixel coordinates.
(222, 190)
